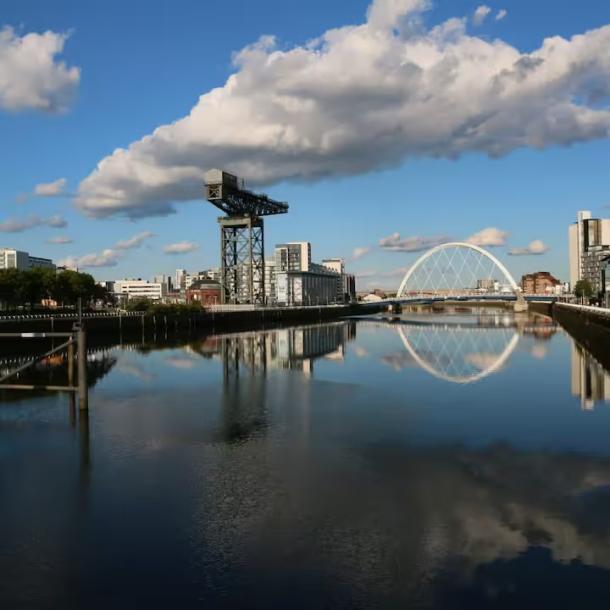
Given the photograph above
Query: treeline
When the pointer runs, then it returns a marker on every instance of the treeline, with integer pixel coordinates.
(30, 288)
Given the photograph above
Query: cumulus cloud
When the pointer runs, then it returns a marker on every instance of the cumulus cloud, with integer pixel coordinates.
(51, 189)
(61, 240)
(362, 98)
(480, 14)
(106, 258)
(535, 247)
(181, 247)
(501, 14)
(30, 76)
(18, 225)
(410, 244)
(360, 252)
(110, 257)
(488, 238)
(135, 241)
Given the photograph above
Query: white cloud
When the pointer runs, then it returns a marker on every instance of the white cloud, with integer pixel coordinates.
(501, 14)
(360, 252)
(18, 225)
(30, 76)
(410, 244)
(135, 241)
(110, 257)
(362, 98)
(181, 247)
(535, 247)
(488, 238)
(480, 14)
(59, 241)
(51, 189)
(106, 258)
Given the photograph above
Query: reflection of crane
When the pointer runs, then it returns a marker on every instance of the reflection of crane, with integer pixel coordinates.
(242, 241)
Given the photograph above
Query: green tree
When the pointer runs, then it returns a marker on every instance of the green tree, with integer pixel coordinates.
(583, 289)
(9, 288)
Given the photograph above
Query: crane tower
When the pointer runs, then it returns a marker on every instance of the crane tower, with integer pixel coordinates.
(242, 240)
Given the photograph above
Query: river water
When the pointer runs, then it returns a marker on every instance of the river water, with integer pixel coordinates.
(428, 461)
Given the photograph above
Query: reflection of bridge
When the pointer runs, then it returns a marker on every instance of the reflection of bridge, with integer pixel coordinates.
(460, 352)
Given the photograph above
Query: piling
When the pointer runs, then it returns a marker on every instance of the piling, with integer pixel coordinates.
(83, 396)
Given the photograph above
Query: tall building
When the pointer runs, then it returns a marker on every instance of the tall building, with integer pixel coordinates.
(165, 281)
(179, 277)
(16, 259)
(589, 243)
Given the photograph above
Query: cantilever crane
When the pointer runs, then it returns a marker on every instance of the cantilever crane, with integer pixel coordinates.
(242, 242)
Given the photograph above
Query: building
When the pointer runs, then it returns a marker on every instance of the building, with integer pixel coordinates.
(205, 292)
(589, 243)
(605, 281)
(346, 282)
(270, 282)
(179, 279)
(16, 259)
(541, 282)
(127, 290)
(488, 285)
(298, 281)
(165, 281)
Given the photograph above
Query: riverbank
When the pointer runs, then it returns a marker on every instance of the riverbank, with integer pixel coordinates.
(589, 326)
(232, 319)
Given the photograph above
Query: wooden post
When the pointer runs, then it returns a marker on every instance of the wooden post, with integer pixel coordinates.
(83, 397)
(71, 364)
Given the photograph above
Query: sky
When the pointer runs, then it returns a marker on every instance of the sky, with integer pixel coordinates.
(388, 126)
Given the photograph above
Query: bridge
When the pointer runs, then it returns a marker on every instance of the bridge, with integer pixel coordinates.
(460, 271)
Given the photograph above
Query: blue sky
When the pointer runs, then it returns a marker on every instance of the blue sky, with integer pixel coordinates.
(145, 64)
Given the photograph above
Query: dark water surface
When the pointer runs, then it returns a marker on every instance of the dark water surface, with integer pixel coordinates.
(436, 461)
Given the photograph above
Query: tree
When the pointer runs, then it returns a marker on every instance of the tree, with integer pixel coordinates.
(583, 289)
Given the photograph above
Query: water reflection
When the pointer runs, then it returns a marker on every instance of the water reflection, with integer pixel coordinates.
(590, 381)
(292, 468)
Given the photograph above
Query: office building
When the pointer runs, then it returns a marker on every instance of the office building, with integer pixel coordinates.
(16, 259)
(126, 290)
(541, 282)
(298, 281)
(166, 283)
(589, 244)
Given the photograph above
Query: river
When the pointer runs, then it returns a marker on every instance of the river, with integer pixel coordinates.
(452, 460)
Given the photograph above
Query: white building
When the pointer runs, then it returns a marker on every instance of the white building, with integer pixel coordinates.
(298, 281)
(16, 259)
(138, 289)
(589, 243)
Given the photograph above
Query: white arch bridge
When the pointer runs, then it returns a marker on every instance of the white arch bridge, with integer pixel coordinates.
(459, 270)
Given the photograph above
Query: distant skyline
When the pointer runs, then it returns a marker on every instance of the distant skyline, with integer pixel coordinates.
(389, 127)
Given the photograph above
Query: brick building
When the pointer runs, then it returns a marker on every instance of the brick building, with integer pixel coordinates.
(204, 292)
(541, 282)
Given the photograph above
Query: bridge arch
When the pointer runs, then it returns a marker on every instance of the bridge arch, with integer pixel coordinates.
(464, 245)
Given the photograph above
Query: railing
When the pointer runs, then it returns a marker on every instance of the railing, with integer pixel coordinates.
(68, 316)
(74, 338)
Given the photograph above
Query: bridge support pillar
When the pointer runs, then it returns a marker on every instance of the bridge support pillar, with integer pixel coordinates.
(520, 305)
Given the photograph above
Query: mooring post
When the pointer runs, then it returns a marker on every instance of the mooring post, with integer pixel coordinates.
(83, 398)
(71, 363)
(81, 355)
